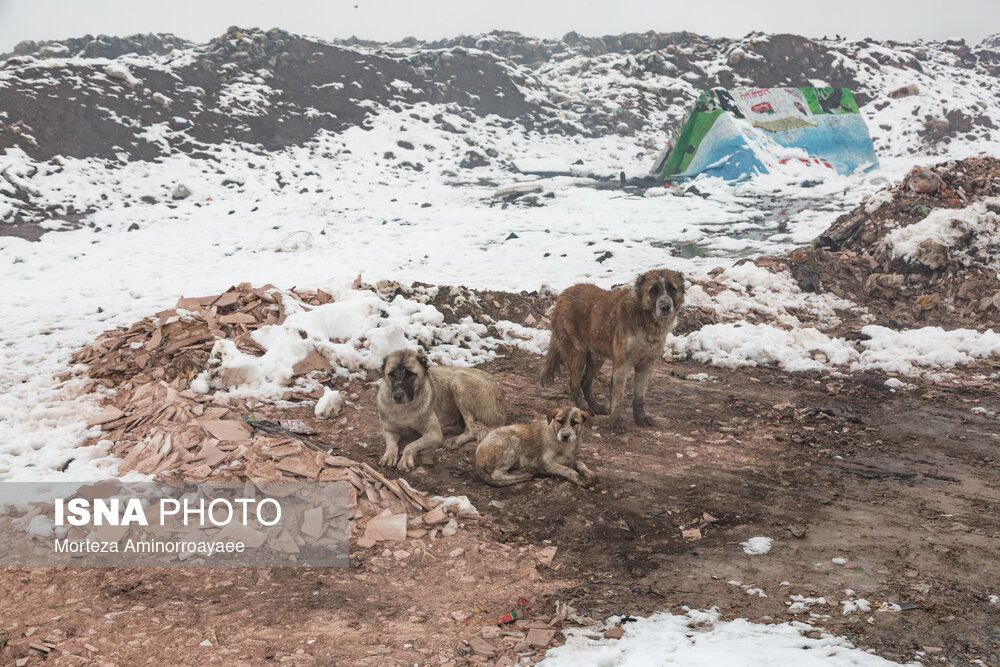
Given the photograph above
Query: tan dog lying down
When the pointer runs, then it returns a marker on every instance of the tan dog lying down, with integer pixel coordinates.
(417, 400)
(516, 453)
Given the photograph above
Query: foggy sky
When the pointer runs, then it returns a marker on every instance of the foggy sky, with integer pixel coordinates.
(385, 20)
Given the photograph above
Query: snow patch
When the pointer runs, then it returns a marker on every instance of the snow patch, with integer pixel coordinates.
(701, 638)
(743, 344)
(976, 224)
(329, 404)
(757, 546)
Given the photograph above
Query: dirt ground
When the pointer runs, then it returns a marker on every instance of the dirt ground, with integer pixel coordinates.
(904, 485)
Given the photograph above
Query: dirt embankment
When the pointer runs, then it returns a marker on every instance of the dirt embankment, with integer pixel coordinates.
(272, 89)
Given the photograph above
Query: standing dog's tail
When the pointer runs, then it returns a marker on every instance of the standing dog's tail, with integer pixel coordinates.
(552, 364)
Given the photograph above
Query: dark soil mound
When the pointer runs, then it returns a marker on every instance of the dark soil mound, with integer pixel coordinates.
(268, 88)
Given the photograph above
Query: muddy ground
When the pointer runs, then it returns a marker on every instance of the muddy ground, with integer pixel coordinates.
(904, 485)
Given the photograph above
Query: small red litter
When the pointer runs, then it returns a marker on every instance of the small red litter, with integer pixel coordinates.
(509, 618)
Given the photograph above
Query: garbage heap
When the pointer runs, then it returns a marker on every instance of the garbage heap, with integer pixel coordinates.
(923, 252)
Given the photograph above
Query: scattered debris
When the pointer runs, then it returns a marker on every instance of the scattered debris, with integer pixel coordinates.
(905, 91)
(800, 604)
(856, 605)
(540, 637)
(546, 555)
(797, 530)
(518, 189)
(922, 180)
(691, 534)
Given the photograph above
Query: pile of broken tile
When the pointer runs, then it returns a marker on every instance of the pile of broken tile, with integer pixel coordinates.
(159, 427)
(177, 435)
(174, 345)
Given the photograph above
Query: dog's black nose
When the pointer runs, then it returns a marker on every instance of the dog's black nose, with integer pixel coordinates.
(564, 437)
(398, 396)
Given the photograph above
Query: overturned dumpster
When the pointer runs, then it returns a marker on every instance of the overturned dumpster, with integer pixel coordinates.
(740, 132)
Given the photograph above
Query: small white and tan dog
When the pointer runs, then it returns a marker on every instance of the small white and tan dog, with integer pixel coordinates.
(516, 453)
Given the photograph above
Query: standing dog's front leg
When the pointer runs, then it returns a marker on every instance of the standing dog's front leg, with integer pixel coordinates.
(619, 378)
(432, 439)
(642, 374)
(391, 448)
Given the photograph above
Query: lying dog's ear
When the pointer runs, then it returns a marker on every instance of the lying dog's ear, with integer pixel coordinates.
(423, 361)
(385, 361)
(586, 417)
(553, 414)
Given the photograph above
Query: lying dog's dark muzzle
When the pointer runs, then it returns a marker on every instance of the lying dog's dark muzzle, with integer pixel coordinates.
(399, 396)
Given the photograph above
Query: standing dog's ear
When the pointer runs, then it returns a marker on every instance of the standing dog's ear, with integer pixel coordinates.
(423, 361)
(638, 284)
(553, 414)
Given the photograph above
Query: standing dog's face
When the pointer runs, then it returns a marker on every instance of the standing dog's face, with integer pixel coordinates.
(661, 292)
(404, 373)
(567, 424)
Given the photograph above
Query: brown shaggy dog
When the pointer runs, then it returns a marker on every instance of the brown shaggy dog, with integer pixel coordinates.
(627, 325)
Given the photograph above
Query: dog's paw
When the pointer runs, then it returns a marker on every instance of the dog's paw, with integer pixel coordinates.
(599, 408)
(452, 444)
(406, 462)
(616, 425)
(388, 459)
(645, 421)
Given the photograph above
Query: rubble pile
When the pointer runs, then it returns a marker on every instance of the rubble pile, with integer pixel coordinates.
(159, 427)
(925, 251)
(178, 436)
(174, 345)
